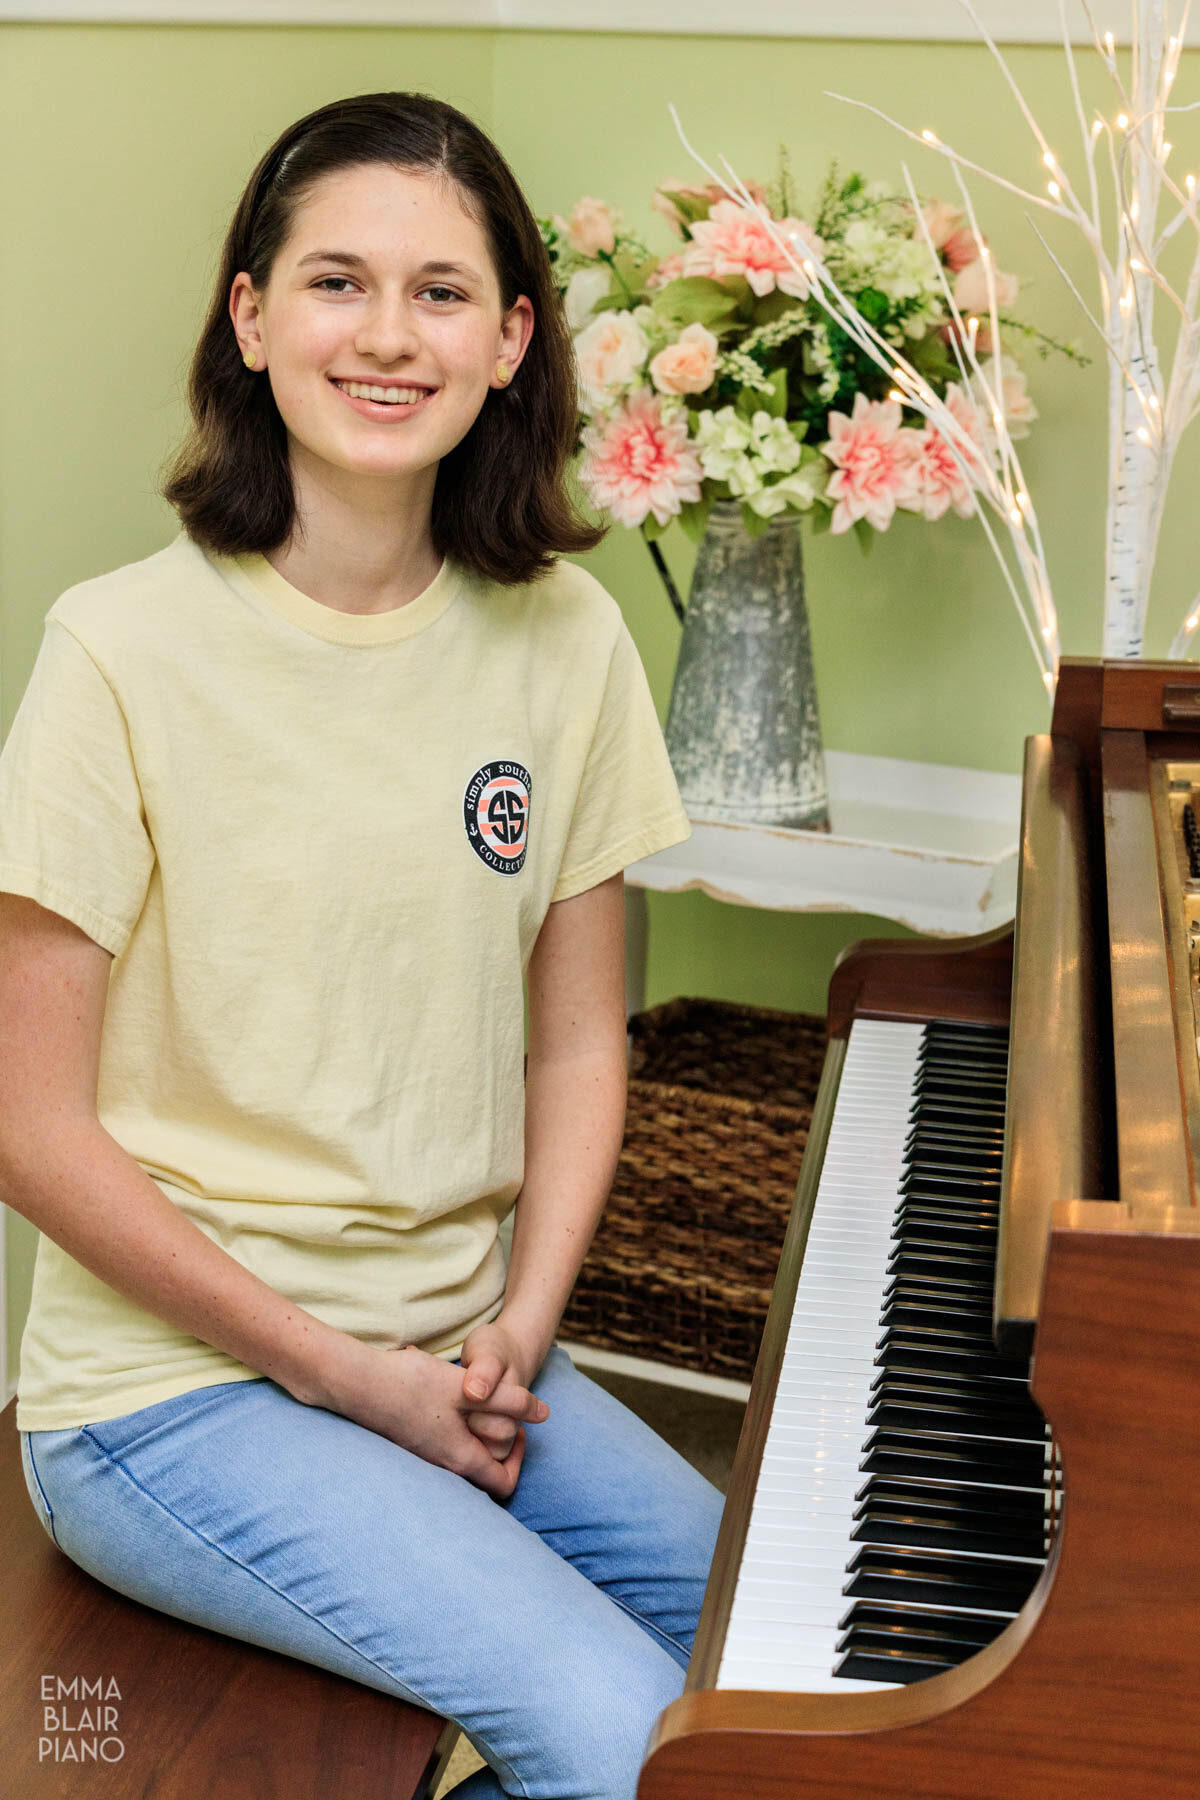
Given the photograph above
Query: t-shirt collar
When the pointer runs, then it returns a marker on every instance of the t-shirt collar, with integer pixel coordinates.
(255, 578)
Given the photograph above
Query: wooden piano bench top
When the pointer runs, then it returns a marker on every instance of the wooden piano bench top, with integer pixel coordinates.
(200, 1716)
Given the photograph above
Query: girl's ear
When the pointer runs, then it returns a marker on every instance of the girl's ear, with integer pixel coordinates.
(515, 332)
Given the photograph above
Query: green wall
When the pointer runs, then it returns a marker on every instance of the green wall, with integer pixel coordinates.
(124, 149)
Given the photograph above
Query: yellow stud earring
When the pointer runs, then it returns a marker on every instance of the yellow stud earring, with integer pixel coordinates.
(250, 359)
(503, 373)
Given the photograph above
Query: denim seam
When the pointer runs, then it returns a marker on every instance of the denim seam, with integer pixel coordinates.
(256, 1576)
(648, 1623)
(41, 1490)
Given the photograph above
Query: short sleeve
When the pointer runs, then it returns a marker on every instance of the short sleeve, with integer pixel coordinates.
(73, 832)
(628, 804)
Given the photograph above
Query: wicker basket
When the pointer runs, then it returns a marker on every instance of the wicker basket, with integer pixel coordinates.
(682, 1266)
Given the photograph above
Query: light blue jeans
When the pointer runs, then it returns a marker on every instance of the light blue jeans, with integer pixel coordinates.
(553, 1627)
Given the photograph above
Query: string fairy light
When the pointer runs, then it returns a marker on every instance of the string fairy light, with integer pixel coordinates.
(1131, 278)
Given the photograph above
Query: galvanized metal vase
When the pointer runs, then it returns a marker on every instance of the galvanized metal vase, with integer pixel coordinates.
(743, 730)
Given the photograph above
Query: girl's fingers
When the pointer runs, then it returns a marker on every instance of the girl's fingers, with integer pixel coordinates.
(496, 1432)
(482, 1377)
(516, 1403)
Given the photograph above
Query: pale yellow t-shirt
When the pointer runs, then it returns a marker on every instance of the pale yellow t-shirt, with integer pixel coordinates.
(320, 846)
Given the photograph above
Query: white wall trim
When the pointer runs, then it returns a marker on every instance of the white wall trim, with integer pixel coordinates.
(1011, 21)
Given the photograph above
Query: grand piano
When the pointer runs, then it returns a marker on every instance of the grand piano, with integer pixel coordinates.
(960, 1556)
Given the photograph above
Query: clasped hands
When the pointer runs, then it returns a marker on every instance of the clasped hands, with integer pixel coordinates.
(471, 1419)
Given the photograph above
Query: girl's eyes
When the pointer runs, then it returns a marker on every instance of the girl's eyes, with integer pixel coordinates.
(330, 282)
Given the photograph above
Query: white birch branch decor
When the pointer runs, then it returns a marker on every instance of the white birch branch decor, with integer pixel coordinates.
(1147, 416)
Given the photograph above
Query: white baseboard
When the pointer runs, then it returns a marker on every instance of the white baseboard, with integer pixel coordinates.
(639, 1368)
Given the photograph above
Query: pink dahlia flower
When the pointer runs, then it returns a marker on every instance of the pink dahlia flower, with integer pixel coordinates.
(636, 462)
(873, 457)
(732, 241)
(940, 481)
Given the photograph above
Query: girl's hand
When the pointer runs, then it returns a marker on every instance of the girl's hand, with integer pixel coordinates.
(417, 1401)
(493, 1359)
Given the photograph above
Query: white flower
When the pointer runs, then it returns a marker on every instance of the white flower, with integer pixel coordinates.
(585, 287)
(722, 439)
(744, 476)
(610, 353)
(772, 443)
(799, 489)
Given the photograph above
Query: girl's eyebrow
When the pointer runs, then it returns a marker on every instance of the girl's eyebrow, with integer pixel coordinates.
(463, 271)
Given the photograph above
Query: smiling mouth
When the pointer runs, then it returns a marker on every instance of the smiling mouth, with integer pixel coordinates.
(383, 393)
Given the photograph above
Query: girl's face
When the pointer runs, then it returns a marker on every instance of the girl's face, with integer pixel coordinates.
(386, 280)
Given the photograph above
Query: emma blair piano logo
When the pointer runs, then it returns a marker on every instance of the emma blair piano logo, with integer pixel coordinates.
(496, 815)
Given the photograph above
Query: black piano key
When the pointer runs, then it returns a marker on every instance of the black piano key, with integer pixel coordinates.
(959, 1112)
(1022, 1521)
(910, 1640)
(952, 1233)
(908, 1309)
(986, 1140)
(962, 1152)
(898, 1667)
(925, 1353)
(957, 1340)
(922, 1579)
(901, 1621)
(958, 1270)
(988, 1393)
(982, 1385)
(932, 1296)
(1008, 1461)
(942, 1418)
(1025, 1503)
(878, 1522)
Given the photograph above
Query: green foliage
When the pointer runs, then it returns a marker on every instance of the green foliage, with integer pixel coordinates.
(651, 529)
(873, 305)
(753, 525)
(689, 206)
(866, 535)
(697, 299)
(931, 357)
(693, 516)
(781, 193)
(772, 306)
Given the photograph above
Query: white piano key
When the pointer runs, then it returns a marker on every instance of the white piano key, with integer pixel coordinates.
(783, 1624)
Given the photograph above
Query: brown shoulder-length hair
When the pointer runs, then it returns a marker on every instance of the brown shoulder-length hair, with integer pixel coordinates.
(500, 504)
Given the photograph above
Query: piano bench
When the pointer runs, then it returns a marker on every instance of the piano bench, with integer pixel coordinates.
(199, 1716)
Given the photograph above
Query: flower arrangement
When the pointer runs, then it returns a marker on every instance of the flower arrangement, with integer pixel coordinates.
(713, 373)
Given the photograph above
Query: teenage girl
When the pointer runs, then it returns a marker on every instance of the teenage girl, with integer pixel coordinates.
(290, 812)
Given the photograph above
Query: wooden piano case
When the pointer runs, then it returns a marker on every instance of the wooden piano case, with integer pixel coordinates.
(1094, 1689)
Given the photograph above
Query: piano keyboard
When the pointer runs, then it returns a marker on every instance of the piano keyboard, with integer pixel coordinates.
(902, 1508)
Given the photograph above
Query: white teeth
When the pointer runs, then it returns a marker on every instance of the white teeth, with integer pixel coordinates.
(394, 396)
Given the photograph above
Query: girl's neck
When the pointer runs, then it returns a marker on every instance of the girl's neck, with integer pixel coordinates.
(359, 551)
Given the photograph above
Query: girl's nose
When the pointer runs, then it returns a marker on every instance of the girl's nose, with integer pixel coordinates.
(387, 332)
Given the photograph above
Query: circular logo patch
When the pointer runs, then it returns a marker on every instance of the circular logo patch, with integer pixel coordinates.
(496, 815)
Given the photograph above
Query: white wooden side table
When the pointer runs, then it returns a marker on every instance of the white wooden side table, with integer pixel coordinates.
(927, 845)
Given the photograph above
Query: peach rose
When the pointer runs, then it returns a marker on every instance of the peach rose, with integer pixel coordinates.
(591, 227)
(669, 269)
(971, 288)
(942, 220)
(609, 353)
(687, 365)
(960, 249)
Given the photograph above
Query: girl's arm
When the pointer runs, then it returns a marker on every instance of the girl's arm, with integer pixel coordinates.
(574, 1120)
